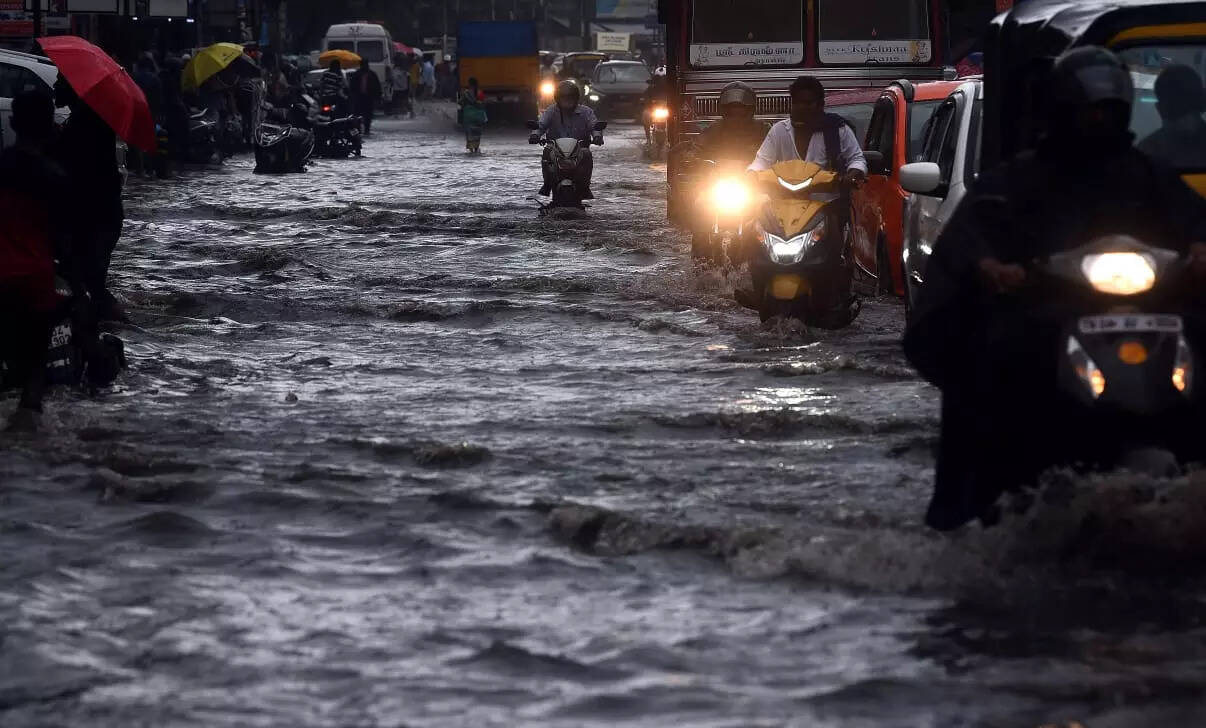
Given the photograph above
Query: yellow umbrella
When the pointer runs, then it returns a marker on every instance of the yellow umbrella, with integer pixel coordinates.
(213, 60)
(347, 59)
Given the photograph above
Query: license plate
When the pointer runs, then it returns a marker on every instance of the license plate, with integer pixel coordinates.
(1128, 323)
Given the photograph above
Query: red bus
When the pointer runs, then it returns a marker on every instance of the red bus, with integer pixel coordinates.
(846, 44)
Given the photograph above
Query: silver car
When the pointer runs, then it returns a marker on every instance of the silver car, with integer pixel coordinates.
(940, 177)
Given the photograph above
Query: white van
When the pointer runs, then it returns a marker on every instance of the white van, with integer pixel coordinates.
(372, 43)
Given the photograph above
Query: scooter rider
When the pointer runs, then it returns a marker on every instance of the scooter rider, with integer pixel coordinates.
(813, 136)
(567, 118)
(734, 138)
(991, 361)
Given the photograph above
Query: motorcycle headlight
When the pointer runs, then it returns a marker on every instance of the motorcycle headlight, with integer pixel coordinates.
(790, 251)
(1120, 274)
(661, 113)
(547, 89)
(593, 97)
(730, 196)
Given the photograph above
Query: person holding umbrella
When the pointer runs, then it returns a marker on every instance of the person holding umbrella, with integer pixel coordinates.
(366, 91)
(86, 149)
(105, 103)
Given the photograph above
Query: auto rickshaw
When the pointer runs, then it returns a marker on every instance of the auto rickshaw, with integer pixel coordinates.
(1022, 44)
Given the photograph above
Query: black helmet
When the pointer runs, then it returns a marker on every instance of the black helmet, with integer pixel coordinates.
(568, 89)
(739, 94)
(1090, 75)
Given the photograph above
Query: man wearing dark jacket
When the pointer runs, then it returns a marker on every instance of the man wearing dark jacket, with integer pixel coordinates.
(366, 92)
(971, 338)
(87, 151)
(33, 190)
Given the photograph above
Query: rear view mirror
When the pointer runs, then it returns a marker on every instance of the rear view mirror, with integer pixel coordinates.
(600, 125)
(876, 164)
(920, 178)
(532, 125)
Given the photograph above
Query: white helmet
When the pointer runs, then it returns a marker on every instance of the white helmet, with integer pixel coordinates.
(659, 71)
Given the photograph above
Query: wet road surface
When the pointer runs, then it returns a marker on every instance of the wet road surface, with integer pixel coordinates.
(394, 450)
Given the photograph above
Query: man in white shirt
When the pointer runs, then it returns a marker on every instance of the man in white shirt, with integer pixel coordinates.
(825, 138)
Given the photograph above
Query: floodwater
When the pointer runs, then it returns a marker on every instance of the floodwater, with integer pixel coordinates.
(395, 451)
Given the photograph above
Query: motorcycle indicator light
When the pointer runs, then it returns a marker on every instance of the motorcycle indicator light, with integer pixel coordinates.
(661, 113)
(1086, 369)
(1132, 352)
(730, 196)
(1182, 374)
(1120, 274)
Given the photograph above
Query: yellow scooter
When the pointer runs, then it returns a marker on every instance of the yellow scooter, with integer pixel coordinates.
(802, 267)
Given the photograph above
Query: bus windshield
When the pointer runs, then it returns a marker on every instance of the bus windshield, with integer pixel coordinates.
(727, 33)
(874, 31)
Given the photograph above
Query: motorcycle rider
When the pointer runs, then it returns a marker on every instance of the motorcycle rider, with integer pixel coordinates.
(824, 138)
(567, 118)
(993, 364)
(655, 95)
(333, 88)
(737, 135)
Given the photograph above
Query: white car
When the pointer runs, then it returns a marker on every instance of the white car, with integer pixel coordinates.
(21, 72)
(939, 178)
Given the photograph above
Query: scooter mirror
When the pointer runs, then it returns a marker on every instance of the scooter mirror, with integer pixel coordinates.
(532, 125)
(600, 125)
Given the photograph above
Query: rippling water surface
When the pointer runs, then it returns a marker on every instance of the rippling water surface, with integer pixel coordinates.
(394, 450)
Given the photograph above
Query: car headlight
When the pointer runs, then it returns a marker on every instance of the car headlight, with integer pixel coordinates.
(547, 89)
(661, 113)
(593, 97)
(1120, 274)
(730, 196)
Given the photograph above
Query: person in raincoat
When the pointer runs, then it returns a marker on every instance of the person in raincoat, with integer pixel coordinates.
(971, 337)
(473, 114)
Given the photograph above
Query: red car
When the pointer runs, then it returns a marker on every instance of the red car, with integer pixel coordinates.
(893, 139)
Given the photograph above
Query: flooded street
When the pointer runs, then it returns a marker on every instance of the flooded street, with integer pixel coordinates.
(393, 450)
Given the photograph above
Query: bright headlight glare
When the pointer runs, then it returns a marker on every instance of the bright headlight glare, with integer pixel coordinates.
(1120, 274)
(661, 114)
(730, 196)
(547, 88)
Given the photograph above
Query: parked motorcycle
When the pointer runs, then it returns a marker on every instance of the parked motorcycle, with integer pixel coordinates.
(202, 144)
(802, 269)
(564, 158)
(336, 136)
(78, 352)
(283, 148)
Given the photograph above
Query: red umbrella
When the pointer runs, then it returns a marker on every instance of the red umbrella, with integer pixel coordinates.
(105, 87)
(403, 48)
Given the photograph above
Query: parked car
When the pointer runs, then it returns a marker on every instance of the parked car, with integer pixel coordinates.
(617, 89)
(580, 66)
(947, 165)
(21, 72)
(893, 139)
